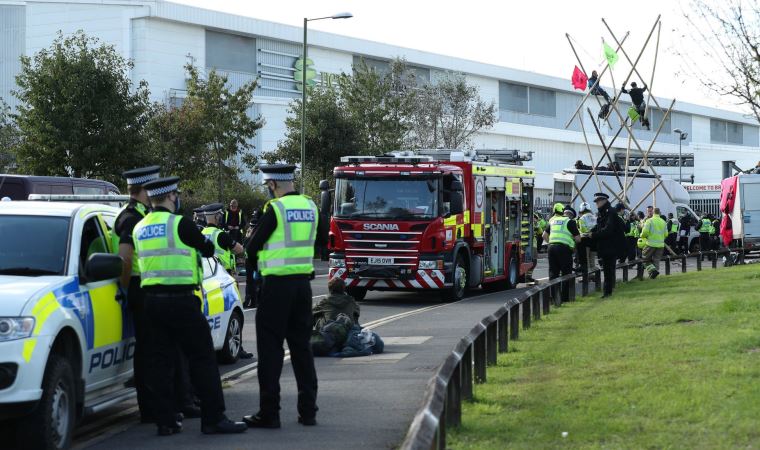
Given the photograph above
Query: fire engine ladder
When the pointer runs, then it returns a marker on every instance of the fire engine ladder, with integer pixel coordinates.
(499, 155)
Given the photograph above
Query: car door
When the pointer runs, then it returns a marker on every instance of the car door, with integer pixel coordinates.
(108, 352)
(213, 296)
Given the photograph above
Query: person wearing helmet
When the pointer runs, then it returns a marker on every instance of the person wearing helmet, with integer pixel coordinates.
(586, 250)
(609, 236)
(562, 234)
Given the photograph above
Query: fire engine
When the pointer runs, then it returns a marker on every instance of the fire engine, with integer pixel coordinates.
(437, 220)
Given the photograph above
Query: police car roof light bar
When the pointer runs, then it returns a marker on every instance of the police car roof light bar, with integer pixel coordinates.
(78, 198)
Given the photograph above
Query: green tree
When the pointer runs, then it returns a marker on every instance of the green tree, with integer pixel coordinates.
(80, 115)
(379, 103)
(9, 139)
(330, 134)
(224, 117)
(448, 113)
(176, 138)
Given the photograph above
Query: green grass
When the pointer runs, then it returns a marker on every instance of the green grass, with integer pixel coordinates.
(666, 363)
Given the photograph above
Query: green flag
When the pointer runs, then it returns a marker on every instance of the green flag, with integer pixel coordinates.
(633, 114)
(610, 55)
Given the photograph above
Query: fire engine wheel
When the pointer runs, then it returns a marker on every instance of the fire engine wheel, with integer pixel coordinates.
(513, 274)
(459, 286)
(358, 293)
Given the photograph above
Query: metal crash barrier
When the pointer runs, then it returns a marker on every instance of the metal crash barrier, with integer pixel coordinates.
(468, 361)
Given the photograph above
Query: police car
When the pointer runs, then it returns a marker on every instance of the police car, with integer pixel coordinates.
(66, 337)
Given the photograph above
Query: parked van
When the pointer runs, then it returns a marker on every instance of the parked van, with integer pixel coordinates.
(18, 187)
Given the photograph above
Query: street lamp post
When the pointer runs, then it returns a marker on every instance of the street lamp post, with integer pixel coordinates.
(344, 15)
(681, 137)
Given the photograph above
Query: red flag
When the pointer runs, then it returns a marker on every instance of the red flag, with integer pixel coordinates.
(579, 80)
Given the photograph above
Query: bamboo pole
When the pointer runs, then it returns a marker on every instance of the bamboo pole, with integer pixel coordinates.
(577, 58)
(627, 162)
(590, 156)
(607, 66)
(616, 195)
(579, 193)
(606, 149)
(646, 196)
(654, 67)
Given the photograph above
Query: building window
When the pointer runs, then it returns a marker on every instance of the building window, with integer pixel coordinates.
(527, 100)
(382, 67)
(655, 116)
(230, 52)
(726, 132)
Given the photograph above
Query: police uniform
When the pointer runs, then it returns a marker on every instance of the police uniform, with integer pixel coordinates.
(282, 248)
(128, 217)
(169, 248)
(223, 241)
(705, 227)
(562, 231)
(609, 235)
(653, 236)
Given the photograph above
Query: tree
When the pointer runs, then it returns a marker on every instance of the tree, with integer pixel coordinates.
(79, 115)
(380, 103)
(330, 134)
(9, 139)
(448, 113)
(223, 114)
(728, 34)
(176, 138)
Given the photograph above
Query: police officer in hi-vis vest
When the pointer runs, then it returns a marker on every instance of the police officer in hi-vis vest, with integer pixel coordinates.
(168, 249)
(283, 249)
(562, 235)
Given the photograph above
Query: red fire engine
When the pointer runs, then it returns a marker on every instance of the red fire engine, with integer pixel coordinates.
(436, 220)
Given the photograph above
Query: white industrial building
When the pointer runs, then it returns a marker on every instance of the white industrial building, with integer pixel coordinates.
(161, 37)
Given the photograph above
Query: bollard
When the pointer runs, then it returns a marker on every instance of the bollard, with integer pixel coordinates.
(454, 398)
(557, 294)
(625, 272)
(491, 338)
(546, 299)
(536, 306)
(504, 332)
(699, 261)
(572, 289)
(526, 307)
(480, 358)
(466, 368)
(584, 284)
(441, 440)
(715, 260)
(597, 280)
(683, 263)
(667, 265)
(514, 322)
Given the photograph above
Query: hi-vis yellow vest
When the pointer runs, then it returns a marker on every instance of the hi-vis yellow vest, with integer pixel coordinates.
(225, 256)
(654, 231)
(162, 256)
(290, 248)
(558, 232)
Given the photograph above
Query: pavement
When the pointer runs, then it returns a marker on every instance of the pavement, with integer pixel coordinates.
(364, 402)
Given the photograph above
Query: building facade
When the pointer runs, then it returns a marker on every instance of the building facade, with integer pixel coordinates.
(161, 37)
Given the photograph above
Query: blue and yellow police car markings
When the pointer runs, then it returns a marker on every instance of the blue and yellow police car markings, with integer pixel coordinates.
(231, 295)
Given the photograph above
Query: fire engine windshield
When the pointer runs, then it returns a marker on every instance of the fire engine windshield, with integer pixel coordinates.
(386, 198)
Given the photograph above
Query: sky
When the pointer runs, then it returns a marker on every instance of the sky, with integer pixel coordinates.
(527, 35)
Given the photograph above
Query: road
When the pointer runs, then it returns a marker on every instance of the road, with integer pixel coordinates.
(364, 402)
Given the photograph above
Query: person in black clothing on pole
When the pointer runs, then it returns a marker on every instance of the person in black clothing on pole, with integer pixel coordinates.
(282, 249)
(637, 98)
(609, 235)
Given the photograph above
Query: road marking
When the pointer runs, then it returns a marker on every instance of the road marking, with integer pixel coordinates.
(382, 358)
(406, 340)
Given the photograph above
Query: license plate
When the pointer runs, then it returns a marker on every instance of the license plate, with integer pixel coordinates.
(379, 261)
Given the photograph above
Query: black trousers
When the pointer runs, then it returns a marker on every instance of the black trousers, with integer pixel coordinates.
(284, 313)
(608, 269)
(176, 324)
(183, 392)
(581, 249)
(683, 244)
(704, 243)
(561, 263)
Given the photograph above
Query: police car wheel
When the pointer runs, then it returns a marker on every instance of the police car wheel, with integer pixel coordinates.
(233, 339)
(51, 425)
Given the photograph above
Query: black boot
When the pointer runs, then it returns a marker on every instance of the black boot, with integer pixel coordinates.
(224, 426)
(259, 421)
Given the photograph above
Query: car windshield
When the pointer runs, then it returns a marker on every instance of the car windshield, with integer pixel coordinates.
(33, 245)
(386, 198)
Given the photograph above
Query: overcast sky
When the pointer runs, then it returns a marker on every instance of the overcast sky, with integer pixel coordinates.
(528, 35)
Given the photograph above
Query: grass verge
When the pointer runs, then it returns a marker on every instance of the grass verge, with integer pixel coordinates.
(669, 363)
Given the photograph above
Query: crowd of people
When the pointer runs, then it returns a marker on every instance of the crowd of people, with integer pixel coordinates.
(577, 240)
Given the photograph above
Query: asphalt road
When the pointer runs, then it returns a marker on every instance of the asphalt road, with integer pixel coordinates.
(364, 402)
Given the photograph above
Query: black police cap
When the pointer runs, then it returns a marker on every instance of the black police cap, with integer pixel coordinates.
(162, 186)
(277, 172)
(601, 195)
(213, 208)
(141, 175)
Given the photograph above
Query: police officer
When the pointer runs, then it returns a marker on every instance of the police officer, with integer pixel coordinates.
(585, 248)
(705, 226)
(225, 247)
(631, 235)
(609, 236)
(562, 235)
(168, 249)
(133, 212)
(283, 249)
(653, 235)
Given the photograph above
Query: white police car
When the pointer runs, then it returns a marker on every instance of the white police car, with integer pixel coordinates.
(66, 341)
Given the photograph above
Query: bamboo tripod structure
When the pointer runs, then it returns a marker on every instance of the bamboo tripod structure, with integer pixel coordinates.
(625, 123)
